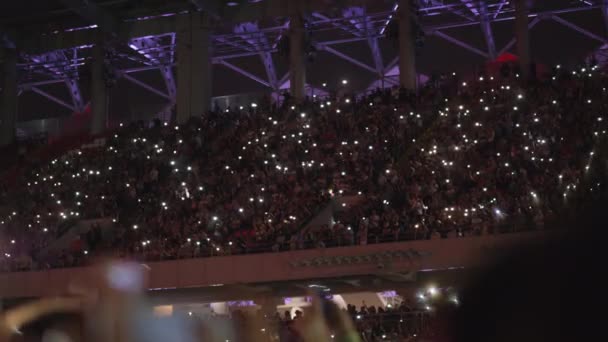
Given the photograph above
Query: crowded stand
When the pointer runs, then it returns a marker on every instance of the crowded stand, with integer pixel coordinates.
(466, 156)
(500, 157)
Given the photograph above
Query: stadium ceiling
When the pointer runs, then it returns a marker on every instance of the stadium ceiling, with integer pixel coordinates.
(54, 37)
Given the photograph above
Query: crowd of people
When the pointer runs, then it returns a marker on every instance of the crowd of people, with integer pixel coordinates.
(401, 322)
(500, 157)
(464, 156)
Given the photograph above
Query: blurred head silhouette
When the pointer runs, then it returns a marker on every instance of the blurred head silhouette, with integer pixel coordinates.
(546, 291)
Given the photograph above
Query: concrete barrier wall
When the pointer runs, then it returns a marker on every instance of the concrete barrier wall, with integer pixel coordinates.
(304, 264)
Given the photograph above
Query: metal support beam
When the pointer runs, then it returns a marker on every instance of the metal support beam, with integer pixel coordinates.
(385, 78)
(522, 35)
(153, 49)
(194, 69)
(284, 78)
(61, 67)
(297, 61)
(451, 9)
(140, 69)
(345, 41)
(100, 95)
(39, 83)
(226, 41)
(252, 35)
(347, 58)
(146, 86)
(471, 6)
(391, 81)
(407, 48)
(372, 42)
(94, 14)
(173, 49)
(499, 9)
(337, 24)
(150, 47)
(8, 112)
(388, 80)
(460, 43)
(52, 61)
(53, 98)
(166, 25)
(105, 23)
(486, 28)
(216, 59)
(77, 100)
(161, 57)
(578, 29)
(604, 9)
(543, 14)
(389, 18)
(512, 42)
(73, 87)
(144, 47)
(270, 70)
(282, 31)
(244, 73)
(391, 64)
(376, 55)
(169, 79)
(363, 27)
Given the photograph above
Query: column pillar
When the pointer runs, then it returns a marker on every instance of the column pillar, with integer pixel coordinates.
(605, 14)
(522, 36)
(8, 116)
(99, 89)
(183, 41)
(193, 66)
(407, 48)
(486, 28)
(297, 62)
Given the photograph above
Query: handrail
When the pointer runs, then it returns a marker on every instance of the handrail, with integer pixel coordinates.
(411, 235)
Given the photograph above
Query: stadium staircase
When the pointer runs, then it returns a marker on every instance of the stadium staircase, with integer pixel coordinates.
(74, 231)
(70, 230)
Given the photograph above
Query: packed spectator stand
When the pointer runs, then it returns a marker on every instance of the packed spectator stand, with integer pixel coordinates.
(464, 156)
